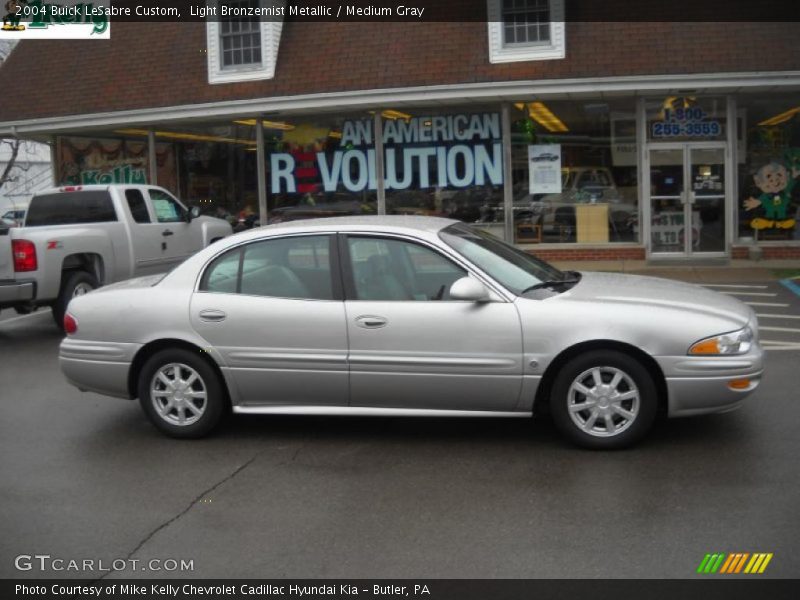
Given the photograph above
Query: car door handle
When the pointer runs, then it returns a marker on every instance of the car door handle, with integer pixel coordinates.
(211, 315)
(166, 232)
(371, 322)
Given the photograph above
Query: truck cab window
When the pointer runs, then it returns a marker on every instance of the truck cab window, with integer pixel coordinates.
(137, 206)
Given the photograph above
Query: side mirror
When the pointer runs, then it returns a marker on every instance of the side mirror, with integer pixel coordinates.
(469, 289)
(192, 213)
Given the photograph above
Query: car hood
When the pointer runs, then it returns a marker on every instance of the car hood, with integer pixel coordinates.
(639, 291)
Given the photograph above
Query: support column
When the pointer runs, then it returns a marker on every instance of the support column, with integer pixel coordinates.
(380, 175)
(151, 157)
(261, 160)
(508, 183)
(54, 154)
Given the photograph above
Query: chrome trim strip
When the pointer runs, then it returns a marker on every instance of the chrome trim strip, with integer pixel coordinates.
(294, 358)
(364, 411)
(432, 361)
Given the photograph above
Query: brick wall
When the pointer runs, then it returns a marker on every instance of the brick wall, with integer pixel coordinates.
(609, 253)
(164, 64)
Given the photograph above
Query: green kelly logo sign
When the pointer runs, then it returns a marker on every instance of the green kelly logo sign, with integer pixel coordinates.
(43, 15)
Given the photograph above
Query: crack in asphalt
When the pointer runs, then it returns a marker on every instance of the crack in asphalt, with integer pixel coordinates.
(188, 507)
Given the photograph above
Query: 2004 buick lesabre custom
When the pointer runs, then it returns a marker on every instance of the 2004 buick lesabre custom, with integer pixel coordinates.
(408, 316)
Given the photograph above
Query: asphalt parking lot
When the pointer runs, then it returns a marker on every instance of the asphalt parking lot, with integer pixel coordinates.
(87, 477)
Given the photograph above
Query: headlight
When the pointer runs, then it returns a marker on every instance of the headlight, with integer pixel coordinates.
(736, 342)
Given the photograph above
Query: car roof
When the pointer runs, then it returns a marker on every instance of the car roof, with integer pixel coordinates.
(363, 222)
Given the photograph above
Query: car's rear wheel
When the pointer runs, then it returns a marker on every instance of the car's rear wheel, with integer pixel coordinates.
(181, 393)
(75, 283)
(604, 399)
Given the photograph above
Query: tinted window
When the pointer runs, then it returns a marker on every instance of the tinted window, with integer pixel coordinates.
(137, 206)
(65, 208)
(387, 269)
(296, 267)
(221, 276)
(166, 207)
(514, 268)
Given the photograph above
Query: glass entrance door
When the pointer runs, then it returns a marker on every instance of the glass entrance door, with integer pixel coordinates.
(687, 199)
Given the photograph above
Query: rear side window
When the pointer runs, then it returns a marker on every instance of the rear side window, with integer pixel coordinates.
(166, 208)
(67, 208)
(137, 206)
(296, 267)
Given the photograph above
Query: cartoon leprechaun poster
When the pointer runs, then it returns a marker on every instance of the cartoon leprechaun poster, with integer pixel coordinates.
(776, 182)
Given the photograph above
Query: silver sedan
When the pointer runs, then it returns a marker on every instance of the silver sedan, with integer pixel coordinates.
(408, 316)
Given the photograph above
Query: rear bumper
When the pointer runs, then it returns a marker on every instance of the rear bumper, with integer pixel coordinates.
(700, 385)
(101, 367)
(16, 292)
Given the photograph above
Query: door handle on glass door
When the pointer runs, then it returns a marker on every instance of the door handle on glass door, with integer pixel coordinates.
(212, 315)
(371, 321)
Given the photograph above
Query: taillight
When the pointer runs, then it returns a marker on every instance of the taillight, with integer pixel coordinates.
(24, 255)
(70, 324)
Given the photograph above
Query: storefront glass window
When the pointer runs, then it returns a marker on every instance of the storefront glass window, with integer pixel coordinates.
(446, 162)
(574, 171)
(320, 167)
(769, 168)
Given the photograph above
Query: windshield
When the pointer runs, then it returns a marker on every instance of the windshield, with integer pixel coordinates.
(515, 269)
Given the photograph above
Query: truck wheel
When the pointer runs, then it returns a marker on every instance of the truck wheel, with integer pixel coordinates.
(181, 394)
(74, 284)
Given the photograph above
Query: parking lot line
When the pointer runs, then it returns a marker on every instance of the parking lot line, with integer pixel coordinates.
(767, 304)
(735, 285)
(732, 293)
(33, 314)
(765, 316)
(787, 329)
(791, 285)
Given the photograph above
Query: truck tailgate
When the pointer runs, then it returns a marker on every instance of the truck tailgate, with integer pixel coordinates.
(6, 262)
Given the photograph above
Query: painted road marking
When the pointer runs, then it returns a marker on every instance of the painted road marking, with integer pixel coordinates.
(790, 347)
(33, 314)
(749, 294)
(767, 304)
(786, 329)
(792, 285)
(731, 285)
(760, 316)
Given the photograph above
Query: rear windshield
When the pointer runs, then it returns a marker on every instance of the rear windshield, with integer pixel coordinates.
(66, 208)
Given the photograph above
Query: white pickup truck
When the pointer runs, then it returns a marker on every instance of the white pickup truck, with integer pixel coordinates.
(77, 238)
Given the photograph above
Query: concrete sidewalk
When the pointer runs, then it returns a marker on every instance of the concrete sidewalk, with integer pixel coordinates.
(732, 271)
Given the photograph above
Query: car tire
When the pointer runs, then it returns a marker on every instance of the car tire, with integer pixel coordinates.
(191, 406)
(611, 414)
(75, 283)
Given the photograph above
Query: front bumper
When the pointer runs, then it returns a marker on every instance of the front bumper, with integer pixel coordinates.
(101, 367)
(699, 385)
(16, 292)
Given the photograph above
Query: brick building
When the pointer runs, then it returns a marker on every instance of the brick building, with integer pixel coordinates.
(576, 139)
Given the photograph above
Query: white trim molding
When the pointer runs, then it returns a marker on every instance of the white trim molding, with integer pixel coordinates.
(270, 43)
(500, 52)
(495, 91)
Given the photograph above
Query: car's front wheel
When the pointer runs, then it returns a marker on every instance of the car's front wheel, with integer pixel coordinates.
(604, 399)
(181, 393)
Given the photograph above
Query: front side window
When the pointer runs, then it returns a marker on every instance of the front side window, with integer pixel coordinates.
(240, 36)
(166, 207)
(297, 267)
(515, 269)
(396, 270)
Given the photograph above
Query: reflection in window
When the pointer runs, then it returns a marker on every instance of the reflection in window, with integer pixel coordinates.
(526, 21)
(394, 270)
(593, 145)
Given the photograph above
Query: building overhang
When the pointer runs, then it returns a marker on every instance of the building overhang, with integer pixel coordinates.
(444, 95)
